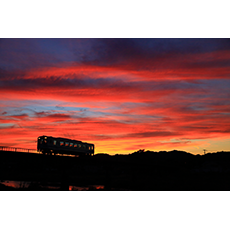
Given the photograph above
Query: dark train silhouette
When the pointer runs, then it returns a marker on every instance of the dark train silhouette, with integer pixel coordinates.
(52, 146)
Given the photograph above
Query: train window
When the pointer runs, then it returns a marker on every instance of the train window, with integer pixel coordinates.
(45, 141)
(79, 145)
(84, 146)
(75, 145)
(71, 145)
(67, 144)
(61, 143)
(41, 141)
(55, 142)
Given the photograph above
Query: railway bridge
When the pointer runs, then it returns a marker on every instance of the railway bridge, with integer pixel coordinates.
(16, 149)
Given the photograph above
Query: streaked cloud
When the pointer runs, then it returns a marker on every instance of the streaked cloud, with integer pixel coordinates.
(121, 94)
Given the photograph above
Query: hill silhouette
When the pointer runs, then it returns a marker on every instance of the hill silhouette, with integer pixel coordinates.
(138, 171)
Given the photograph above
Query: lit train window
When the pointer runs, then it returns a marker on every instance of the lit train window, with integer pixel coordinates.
(71, 145)
(79, 145)
(45, 141)
(61, 143)
(75, 145)
(55, 142)
(67, 144)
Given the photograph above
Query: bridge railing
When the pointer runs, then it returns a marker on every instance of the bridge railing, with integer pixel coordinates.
(15, 149)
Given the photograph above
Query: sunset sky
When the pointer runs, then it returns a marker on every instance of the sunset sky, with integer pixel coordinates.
(119, 94)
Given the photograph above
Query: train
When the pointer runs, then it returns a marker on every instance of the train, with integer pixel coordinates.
(49, 145)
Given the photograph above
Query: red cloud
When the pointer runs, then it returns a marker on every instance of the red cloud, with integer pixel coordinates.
(143, 104)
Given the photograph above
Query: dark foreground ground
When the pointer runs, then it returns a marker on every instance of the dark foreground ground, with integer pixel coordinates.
(139, 171)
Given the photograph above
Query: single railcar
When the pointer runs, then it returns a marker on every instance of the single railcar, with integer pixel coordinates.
(63, 146)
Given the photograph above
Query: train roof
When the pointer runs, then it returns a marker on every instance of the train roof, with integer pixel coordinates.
(65, 139)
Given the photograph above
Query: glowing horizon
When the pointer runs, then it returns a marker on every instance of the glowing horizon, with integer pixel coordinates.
(119, 94)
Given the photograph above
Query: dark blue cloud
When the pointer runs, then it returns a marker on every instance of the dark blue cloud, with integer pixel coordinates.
(33, 53)
(119, 50)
